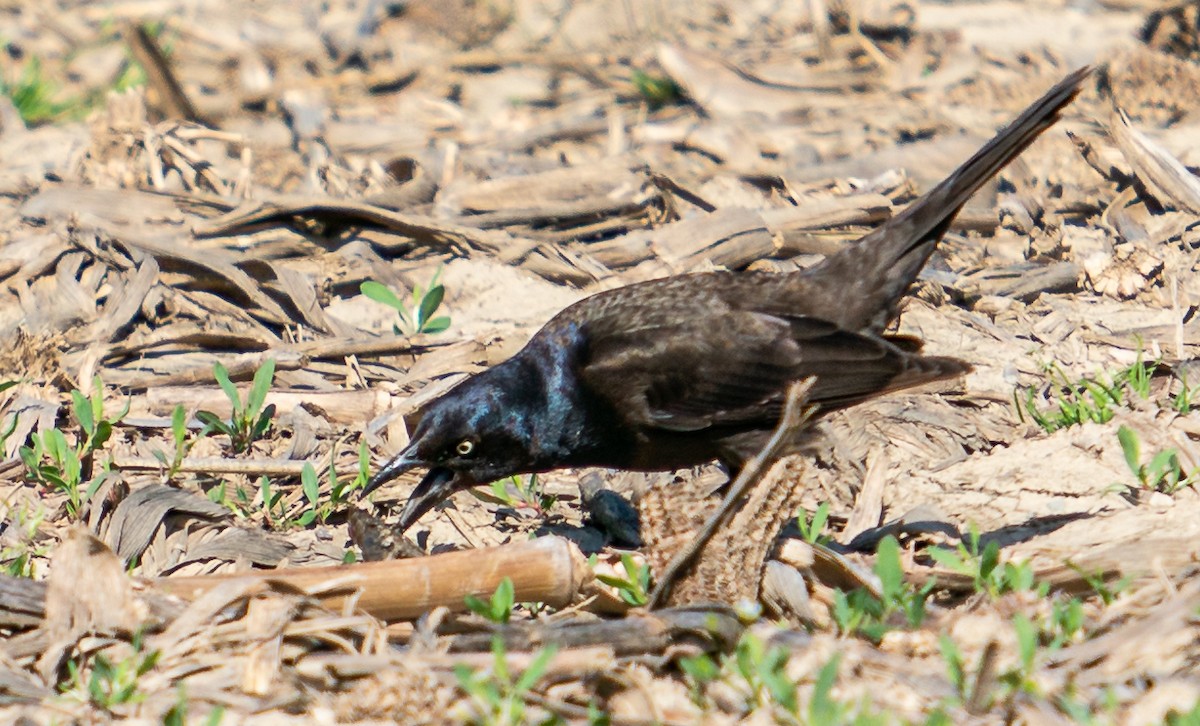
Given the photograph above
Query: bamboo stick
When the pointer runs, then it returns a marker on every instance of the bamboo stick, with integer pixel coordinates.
(547, 569)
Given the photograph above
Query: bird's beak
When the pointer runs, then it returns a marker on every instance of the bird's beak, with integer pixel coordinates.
(403, 462)
(439, 483)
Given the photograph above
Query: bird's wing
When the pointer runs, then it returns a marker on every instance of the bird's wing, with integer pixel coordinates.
(731, 368)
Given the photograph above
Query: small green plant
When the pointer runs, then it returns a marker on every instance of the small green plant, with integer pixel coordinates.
(956, 669)
(18, 559)
(1183, 400)
(658, 91)
(109, 684)
(321, 508)
(1020, 678)
(237, 501)
(34, 95)
(1099, 583)
(1191, 717)
(813, 529)
(54, 463)
(860, 611)
(518, 493)
(759, 674)
(1095, 399)
(421, 316)
(1065, 624)
(274, 507)
(497, 697)
(987, 573)
(498, 608)
(247, 423)
(1163, 473)
(764, 670)
(178, 714)
(1072, 402)
(634, 588)
(182, 444)
(312, 493)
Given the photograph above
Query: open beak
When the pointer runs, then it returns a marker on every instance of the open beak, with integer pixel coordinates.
(437, 486)
(439, 483)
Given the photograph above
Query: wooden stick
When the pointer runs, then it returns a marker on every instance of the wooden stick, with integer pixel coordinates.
(547, 569)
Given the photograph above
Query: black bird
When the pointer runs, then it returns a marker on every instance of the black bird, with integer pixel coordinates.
(681, 371)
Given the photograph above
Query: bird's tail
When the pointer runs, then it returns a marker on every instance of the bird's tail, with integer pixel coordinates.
(884, 263)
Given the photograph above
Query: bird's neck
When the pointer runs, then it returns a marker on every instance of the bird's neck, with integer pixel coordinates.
(560, 422)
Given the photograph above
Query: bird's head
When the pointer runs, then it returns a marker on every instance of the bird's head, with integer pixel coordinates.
(474, 434)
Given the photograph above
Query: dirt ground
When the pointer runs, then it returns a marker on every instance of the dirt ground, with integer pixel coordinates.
(186, 184)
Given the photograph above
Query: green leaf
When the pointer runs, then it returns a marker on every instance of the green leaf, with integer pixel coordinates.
(102, 434)
(83, 412)
(381, 293)
(700, 668)
(954, 662)
(263, 423)
(989, 559)
(212, 422)
(97, 399)
(436, 325)
(889, 568)
(537, 669)
(478, 606)
(1131, 448)
(502, 601)
(429, 305)
(231, 392)
(822, 708)
(179, 426)
(1027, 640)
(950, 559)
(309, 483)
(258, 390)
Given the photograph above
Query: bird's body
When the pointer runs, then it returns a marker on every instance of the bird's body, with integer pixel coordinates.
(680, 371)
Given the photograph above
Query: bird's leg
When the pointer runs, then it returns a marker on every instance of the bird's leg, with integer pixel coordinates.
(795, 415)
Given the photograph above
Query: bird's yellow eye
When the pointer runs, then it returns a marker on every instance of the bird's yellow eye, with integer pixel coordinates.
(465, 447)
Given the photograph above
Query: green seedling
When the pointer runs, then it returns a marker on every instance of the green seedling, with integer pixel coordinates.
(18, 559)
(110, 684)
(898, 603)
(497, 697)
(956, 669)
(498, 608)
(34, 95)
(988, 575)
(658, 91)
(764, 671)
(813, 530)
(634, 588)
(519, 493)
(1072, 403)
(247, 423)
(54, 463)
(273, 506)
(419, 317)
(1019, 678)
(237, 501)
(183, 445)
(1163, 473)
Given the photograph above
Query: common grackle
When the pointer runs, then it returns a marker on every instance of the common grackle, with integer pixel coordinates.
(684, 370)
